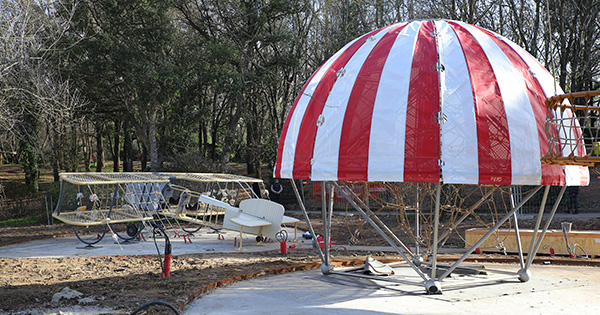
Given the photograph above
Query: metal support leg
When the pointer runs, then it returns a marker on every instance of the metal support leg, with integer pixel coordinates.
(518, 237)
(310, 227)
(324, 195)
(330, 215)
(241, 237)
(517, 233)
(327, 214)
(417, 225)
(537, 227)
(539, 241)
(436, 225)
(368, 217)
(372, 217)
(432, 286)
(492, 230)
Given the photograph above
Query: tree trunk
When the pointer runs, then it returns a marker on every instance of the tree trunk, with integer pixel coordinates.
(29, 143)
(144, 157)
(87, 148)
(55, 154)
(230, 137)
(213, 145)
(563, 49)
(31, 166)
(99, 149)
(154, 162)
(250, 150)
(116, 146)
(202, 139)
(127, 148)
(533, 50)
(73, 156)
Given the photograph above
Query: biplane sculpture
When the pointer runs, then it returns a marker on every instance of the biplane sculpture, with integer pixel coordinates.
(446, 113)
(124, 203)
(96, 202)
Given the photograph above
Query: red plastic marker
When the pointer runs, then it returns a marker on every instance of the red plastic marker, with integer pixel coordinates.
(167, 272)
(283, 247)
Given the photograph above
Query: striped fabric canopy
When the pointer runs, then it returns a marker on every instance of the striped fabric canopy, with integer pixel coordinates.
(423, 100)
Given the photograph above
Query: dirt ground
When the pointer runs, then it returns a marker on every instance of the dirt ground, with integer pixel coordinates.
(126, 282)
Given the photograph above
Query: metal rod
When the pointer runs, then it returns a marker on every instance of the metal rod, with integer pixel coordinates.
(537, 226)
(518, 237)
(374, 217)
(310, 227)
(478, 281)
(417, 221)
(541, 238)
(324, 219)
(466, 215)
(376, 278)
(473, 268)
(302, 190)
(327, 224)
(402, 251)
(436, 225)
(492, 230)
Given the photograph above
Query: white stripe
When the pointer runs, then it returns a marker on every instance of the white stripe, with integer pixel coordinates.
(548, 86)
(388, 127)
(289, 145)
(327, 142)
(459, 132)
(526, 168)
(574, 175)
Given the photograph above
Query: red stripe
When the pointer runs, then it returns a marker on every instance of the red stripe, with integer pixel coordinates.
(305, 144)
(578, 131)
(286, 126)
(493, 141)
(356, 130)
(422, 141)
(551, 174)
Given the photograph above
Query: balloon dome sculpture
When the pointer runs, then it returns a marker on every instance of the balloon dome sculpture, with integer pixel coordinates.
(427, 104)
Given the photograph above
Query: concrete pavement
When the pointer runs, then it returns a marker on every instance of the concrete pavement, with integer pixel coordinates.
(552, 290)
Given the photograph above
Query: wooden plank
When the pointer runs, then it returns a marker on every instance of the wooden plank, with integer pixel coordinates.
(555, 239)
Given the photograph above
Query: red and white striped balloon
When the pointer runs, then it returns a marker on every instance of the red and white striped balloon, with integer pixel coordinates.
(420, 100)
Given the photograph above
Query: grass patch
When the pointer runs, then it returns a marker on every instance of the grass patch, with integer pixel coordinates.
(19, 222)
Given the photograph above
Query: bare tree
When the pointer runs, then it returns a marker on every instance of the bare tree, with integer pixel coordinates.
(32, 94)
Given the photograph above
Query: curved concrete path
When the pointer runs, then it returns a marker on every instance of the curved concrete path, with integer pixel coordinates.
(552, 290)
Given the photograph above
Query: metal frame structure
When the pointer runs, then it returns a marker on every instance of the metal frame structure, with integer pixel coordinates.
(124, 198)
(209, 186)
(573, 123)
(437, 277)
(101, 200)
(377, 111)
